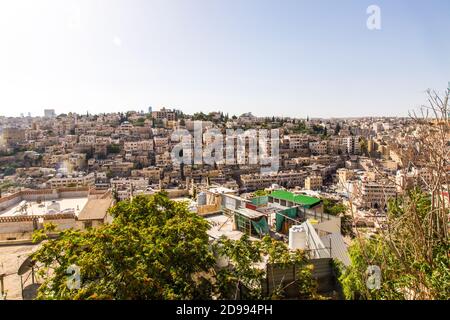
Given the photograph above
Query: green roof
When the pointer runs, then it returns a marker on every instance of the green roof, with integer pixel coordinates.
(300, 199)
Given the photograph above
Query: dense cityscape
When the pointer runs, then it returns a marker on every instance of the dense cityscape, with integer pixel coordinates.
(334, 181)
(220, 158)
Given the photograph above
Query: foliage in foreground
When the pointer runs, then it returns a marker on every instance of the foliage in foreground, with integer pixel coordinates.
(153, 249)
(406, 272)
(156, 249)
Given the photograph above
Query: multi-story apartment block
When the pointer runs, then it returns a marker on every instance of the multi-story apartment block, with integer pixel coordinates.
(318, 147)
(72, 181)
(125, 128)
(415, 177)
(164, 114)
(313, 182)
(127, 187)
(138, 146)
(260, 181)
(376, 194)
(153, 174)
(87, 139)
(163, 159)
(13, 136)
(297, 141)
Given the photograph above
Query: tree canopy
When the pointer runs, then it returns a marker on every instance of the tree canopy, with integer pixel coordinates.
(155, 248)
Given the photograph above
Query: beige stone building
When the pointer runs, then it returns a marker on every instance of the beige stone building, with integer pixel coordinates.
(313, 182)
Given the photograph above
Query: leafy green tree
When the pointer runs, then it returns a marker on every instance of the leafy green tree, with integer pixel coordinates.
(200, 116)
(336, 208)
(154, 248)
(347, 225)
(245, 257)
(333, 207)
(364, 146)
(337, 129)
(139, 122)
(113, 148)
(301, 128)
(115, 195)
(261, 193)
(9, 170)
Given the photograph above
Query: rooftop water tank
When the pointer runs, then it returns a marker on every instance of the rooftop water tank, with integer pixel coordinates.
(201, 199)
(222, 261)
(297, 238)
(54, 207)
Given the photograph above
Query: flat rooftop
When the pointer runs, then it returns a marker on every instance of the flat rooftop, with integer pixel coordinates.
(271, 208)
(222, 225)
(25, 207)
(95, 209)
(221, 190)
(251, 214)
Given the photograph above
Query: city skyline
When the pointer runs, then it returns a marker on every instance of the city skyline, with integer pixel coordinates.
(137, 111)
(297, 59)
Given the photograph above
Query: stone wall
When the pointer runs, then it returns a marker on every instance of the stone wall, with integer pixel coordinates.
(42, 195)
(177, 193)
(27, 224)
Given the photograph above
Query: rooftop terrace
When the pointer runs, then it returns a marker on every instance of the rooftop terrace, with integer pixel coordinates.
(25, 207)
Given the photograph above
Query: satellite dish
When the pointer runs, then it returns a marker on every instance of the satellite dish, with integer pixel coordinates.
(30, 291)
(26, 266)
(28, 263)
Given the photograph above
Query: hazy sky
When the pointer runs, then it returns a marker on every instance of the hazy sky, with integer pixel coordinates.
(295, 58)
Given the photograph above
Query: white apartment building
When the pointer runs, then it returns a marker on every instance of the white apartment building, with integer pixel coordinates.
(49, 113)
(318, 147)
(137, 183)
(72, 181)
(103, 140)
(125, 188)
(261, 181)
(297, 141)
(377, 127)
(87, 139)
(138, 146)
